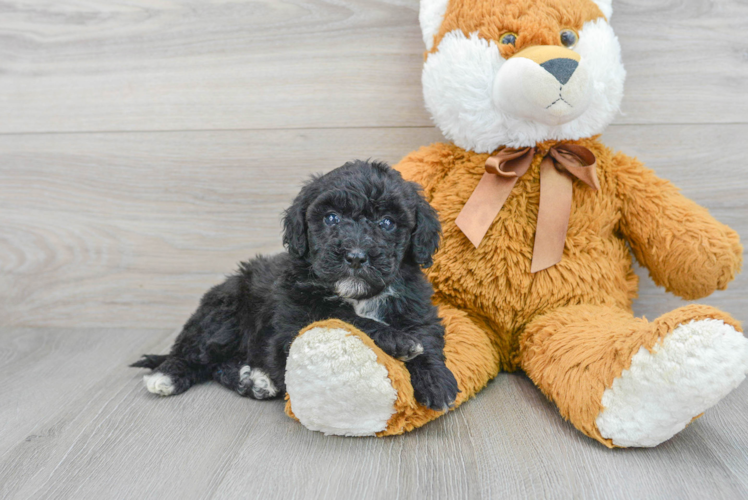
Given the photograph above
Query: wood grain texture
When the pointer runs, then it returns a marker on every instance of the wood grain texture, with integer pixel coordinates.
(129, 229)
(104, 65)
(94, 432)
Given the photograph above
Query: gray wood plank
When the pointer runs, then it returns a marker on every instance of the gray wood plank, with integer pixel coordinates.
(105, 65)
(680, 51)
(43, 368)
(133, 214)
(129, 229)
(165, 446)
(545, 457)
(104, 436)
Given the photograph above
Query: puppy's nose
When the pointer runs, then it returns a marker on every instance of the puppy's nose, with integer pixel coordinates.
(561, 68)
(355, 258)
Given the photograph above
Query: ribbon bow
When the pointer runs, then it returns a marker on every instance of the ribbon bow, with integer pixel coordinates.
(559, 164)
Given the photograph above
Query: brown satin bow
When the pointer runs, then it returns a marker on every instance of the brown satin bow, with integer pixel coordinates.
(504, 169)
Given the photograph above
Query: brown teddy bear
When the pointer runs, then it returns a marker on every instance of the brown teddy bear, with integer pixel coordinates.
(534, 270)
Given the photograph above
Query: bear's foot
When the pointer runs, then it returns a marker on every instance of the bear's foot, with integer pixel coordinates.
(341, 383)
(336, 384)
(687, 372)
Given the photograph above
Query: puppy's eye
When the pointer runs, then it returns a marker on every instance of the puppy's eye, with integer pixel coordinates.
(332, 219)
(569, 38)
(387, 224)
(508, 39)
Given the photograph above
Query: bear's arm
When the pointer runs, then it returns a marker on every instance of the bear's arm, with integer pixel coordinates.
(427, 166)
(686, 250)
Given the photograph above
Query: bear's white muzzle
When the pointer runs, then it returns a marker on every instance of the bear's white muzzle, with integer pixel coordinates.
(546, 84)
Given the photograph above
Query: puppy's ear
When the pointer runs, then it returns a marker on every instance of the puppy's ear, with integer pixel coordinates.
(426, 235)
(294, 227)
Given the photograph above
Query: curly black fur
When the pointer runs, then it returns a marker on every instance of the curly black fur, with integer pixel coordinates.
(354, 268)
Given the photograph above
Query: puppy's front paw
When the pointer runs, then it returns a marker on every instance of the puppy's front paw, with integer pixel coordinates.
(434, 386)
(409, 349)
(402, 347)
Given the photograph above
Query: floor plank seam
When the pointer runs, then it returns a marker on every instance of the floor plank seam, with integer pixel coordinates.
(291, 129)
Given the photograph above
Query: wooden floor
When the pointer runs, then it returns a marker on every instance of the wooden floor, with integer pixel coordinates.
(147, 146)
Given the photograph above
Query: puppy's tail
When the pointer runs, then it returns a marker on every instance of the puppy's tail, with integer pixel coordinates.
(151, 361)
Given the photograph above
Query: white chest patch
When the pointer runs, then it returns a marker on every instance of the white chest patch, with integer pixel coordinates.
(371, 308)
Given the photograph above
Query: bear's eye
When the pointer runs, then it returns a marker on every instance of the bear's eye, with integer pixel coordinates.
(387, 224)
(508, 39)
(332, 219)
(569, 38)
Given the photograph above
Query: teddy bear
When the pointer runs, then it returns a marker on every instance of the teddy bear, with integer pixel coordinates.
(540, 220)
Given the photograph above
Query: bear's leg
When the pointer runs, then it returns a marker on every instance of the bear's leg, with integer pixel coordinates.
(339, 382)
(626, 381)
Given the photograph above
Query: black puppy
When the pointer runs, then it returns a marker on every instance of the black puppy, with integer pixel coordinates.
(356, 238)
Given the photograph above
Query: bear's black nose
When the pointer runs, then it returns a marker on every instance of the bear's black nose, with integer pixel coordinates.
(355, 258)
(561, 68)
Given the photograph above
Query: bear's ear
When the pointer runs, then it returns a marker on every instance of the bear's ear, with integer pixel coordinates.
(431, 17)
(605, 5)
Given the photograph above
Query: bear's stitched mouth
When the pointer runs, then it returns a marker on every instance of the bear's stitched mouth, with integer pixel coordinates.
(560, 99)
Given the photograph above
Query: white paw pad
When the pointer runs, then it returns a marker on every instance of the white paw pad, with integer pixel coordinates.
(244, 374)
(417, 351)
(686, 373)
(262, 386)
(159, 383)
(336, 384)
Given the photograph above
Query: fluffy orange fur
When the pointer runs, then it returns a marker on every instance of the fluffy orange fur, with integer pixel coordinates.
(534, 23)
(569, 327)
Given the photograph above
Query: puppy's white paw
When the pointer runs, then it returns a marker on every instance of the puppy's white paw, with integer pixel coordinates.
(262, 386)
(244, 374)
(159, 383)
(686, 373)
